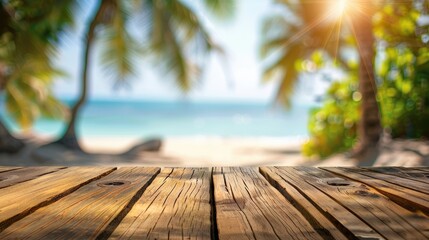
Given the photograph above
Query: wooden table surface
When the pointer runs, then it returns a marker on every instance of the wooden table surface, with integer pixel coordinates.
(214, 203)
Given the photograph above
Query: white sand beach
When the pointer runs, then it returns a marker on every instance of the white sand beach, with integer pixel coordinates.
(204, 151)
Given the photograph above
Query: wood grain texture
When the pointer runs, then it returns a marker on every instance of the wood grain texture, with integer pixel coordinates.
(406, 197)
(6, 169)
(402, 172)
(175, 206)
(24, 174)
(22, 199)
(397, 180)
(321, 223)
(223, 203)
(342, 218)
(386, 217)
(426, 169)
(248, 207)
(88, 211)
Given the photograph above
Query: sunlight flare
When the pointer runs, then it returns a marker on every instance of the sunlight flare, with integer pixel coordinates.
(339, 8)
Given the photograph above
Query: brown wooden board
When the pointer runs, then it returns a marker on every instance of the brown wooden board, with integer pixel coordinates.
(24, 174)
(7, 169)
(321, 223)
(175, 206)
(88, 212)
(403, 172)
(342, 218)
(395, 179)
(386, 217)
(22, 199)
(248, 207)
(406, 197)
(426, 169)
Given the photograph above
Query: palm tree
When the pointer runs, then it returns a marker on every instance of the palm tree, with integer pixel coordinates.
(369, 127)
(172, 32)
(27, 45)
(317, 25)
(289, 38)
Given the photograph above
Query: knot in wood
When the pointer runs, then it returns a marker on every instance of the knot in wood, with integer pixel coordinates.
(366, 194)
(113, 183)
(338, 182)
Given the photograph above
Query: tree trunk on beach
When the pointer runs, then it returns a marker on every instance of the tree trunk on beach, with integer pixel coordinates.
(8, 143)
(369, 129)
(69, 138)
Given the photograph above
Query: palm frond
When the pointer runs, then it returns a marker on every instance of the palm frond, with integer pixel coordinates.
(272, 45)
(27, 50)
(220, 8)
(120, 48)
(281, 65)
(184, 71)
(178, 40)
(292, 41)
(287, 85)
(29, 94)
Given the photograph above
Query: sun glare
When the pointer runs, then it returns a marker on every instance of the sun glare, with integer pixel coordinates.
(338, 8)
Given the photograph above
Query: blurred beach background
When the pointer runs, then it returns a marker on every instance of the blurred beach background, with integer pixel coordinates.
(197, 133)
(235, 114)
(145, 119)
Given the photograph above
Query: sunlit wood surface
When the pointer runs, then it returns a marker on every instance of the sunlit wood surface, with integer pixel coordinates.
(214, 203)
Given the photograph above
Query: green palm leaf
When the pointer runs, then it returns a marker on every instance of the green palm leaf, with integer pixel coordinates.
(120, 48)
(292, 39)
(223, 9)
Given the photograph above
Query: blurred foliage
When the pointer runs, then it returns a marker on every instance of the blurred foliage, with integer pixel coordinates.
(404, 92)
(298, 31)
(169, 32)
(403, 85)
(29, 32)
(178, 40)
(333, 127)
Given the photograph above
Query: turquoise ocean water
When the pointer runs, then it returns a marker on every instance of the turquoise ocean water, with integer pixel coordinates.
(169, 119)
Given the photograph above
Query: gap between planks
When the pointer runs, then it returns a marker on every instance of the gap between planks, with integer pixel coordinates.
(7, 169)
(100, 204)
(19, 175)
(347, 199)
(406, 197)
(320, 225)
(43, 191)
(58, 203)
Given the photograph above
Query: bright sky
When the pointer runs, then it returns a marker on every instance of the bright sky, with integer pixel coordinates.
(239, 37)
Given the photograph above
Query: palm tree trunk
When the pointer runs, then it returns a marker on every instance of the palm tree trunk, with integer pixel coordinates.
(8, 143)
(369, 129)
(69, 138)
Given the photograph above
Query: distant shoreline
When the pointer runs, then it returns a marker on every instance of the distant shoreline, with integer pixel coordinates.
(204, 151)
(145, 119)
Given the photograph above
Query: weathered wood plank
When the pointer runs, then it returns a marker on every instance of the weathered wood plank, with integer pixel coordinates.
(397, 180)
(7, 169)
(176, 205)
(324, 226)
(409, 173)
(342, 218)
(426, 169)
(24, 174)
(87, 212)
(22, 199)
(386, 217)
(248, 207)
(405, 197)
